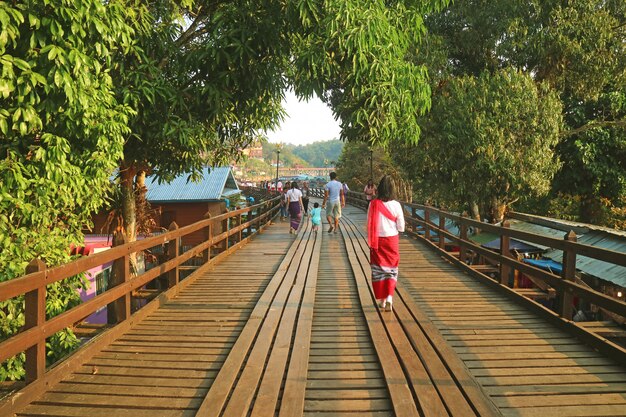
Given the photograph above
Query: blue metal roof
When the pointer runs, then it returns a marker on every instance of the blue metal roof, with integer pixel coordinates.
(587, 234)
(216, 184)
(514, 245)
(547, 264)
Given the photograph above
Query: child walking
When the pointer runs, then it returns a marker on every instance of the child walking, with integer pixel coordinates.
(316, 216)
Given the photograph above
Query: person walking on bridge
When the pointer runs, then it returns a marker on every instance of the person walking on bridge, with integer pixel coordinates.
(370, 191)
(385, 220)
(294, 199)
(333, 193)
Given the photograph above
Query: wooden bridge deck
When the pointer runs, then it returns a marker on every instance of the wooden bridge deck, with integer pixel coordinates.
(286, 326)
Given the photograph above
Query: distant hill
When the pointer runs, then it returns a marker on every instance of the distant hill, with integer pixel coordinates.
(317, 153)
(287, 157)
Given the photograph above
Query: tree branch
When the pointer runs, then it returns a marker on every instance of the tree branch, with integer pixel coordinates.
(593, 125)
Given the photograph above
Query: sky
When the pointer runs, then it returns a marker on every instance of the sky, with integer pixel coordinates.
(306, 122)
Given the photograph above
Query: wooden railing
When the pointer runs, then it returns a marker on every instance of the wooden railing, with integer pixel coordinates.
(565, 284)
(32, 338)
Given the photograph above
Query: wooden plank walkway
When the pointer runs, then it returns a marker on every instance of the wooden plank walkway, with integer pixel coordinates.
(165, 364)
(527, 366)
(287, 326)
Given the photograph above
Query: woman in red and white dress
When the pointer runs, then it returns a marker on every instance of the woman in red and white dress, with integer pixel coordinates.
(385, 221)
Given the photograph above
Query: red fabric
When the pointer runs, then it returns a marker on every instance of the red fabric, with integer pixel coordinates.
(376, 207)
(383, 289)
(387, 253)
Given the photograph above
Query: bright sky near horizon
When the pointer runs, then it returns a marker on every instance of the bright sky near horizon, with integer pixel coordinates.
(306, 122)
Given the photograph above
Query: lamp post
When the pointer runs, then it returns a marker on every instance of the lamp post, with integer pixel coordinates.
(371, 164)
(277, 162)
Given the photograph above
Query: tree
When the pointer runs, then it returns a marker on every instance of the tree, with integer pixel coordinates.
(490, 142)
(212, 74)
(287, 157)
(356, 57)
(315, 153)
(354, 168)
(577, 47)
(62, 133)
(204, 83)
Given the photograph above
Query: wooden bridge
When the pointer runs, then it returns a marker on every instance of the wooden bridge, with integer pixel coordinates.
(285, 325)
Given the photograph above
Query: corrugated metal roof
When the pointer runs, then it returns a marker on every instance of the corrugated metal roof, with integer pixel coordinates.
(592, 235)
(216, 184)
(603, 270)
(588, 235)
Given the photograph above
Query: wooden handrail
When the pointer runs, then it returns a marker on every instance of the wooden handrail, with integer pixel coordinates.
(29, 282)
(565, 286)
(32, 337)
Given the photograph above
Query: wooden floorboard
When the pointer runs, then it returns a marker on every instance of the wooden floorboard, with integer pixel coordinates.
(345, 376)
(287, 326)
(165, 364)
(527, 366)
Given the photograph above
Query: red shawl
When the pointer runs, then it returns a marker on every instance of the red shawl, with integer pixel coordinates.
(376, 207)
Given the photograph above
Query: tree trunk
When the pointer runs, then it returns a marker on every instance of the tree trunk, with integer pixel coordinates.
(141, 179)
(475, 215)
(129, 211)
(474, 211)
(498, 208)
(128, 203)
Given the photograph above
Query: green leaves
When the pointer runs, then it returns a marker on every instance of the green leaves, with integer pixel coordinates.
(61, 135)
(358, 57)
(491, 138)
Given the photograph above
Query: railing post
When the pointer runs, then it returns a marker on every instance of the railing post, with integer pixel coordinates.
(119, 310)
(442, 228)
(569, 274)
(414, 215)
(427, 223)
(250, 220)
(240, 231)
(206, 254)
(35, 315)
(505, 270)
(173, 251)
(226, 227)
(463, 236)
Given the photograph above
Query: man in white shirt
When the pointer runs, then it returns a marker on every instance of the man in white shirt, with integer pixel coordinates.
(333, 193)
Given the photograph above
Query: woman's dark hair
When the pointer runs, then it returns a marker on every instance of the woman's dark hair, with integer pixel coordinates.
(370, 182)
(294, 184)
(386, 189)
(316, 205)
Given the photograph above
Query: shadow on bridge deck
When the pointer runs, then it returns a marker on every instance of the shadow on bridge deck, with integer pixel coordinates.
(287, 326)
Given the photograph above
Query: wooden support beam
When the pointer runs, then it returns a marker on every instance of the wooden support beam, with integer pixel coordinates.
(119, 310)
(569, 273)
(35, 315)
(505, 270)
(442, 227)
(173, 250)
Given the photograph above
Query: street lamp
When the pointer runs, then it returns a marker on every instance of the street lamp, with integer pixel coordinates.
(277, 162)
(371, 164)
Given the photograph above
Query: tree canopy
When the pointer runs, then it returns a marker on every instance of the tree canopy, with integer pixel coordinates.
(490, 142)
(578, 50)
(62, 133)
(166, 87)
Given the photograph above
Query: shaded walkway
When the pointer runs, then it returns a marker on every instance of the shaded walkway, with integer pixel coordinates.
(287, 326)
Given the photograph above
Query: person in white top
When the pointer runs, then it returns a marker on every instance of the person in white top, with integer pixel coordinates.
(293, 198)
(385, 221)
(333, 194)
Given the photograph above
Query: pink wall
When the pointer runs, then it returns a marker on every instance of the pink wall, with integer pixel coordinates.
(95, 244)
